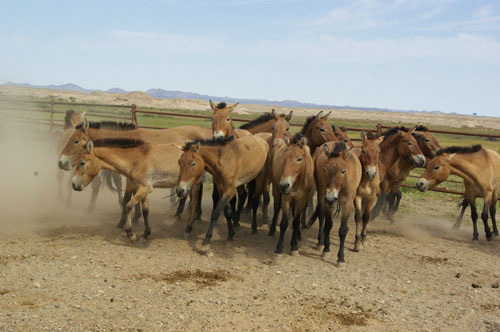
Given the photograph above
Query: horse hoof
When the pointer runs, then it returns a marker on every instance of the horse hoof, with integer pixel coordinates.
(205, 248)
(495, 234)
(325, 255)
(294, 253)
(236, 225)
(279, 251)
(320, 248)
(475, 239)
(142, 242)
(357, 247)
(254, 231)
(489, 238)
(270, 234)
(186, 236)
(120, 225)
(340, 264)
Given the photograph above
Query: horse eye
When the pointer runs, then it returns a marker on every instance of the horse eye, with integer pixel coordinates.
(82, 163)
(193, 164)
(322, 130)
(427, 140)
(76, 141)
(299, 159)
(342, 171)
(436, 168)
(346, 140)
(228, 119)
(363, 151)
(273, 127)
(410, 143)
(287, 128)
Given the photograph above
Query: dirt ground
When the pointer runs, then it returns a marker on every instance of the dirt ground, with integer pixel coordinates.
(144, 100)
(63, 269)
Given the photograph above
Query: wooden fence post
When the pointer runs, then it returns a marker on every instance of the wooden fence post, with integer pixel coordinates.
(379, 129)
(51, 115)
(134, 114)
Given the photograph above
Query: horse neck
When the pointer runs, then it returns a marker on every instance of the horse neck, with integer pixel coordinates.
(117, 160)
(389, 153)
(266, 127)
(210, 155)
(463, 167)
(230, 132)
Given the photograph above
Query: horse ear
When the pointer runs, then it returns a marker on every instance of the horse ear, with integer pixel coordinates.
(230, 108)
(348, 153)
(319, 114)
(289, 116)
(363, 136)
(326, 116)
(379, 140)
(196, 146)
(303, 141)
(212, 105)
(326, 150)
(90, 146)
(273, 113)
(335, 128)
(85, 125)
(450, 156)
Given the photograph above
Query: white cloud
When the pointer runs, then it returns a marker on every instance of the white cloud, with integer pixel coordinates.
(482, 12)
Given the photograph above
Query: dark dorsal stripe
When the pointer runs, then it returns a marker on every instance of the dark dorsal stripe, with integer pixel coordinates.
(337, 150)
(393, 131)
(260, 120)
(67, 119)
(421, 128)
(309, 120)
(113, 125)
(219, 141)
(460, 149)
(125, 143)
(221, 105)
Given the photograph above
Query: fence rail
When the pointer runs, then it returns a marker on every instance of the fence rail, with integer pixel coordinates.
(131, 112)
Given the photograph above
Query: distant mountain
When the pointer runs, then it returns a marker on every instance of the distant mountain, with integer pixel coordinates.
(161, 93)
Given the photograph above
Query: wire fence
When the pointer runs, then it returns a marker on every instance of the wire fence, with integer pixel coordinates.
(49, 112)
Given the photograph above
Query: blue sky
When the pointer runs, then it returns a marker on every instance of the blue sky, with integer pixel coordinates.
(399, 54)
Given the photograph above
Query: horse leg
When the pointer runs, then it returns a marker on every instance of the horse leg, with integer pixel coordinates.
(215, 197)
(391, 198)
(346, 211)
(221, 204)
(366, 217)
(194, 196)
(399, 196)
(137, 214)
(266, 199)
(357, 218)
(285, 206)
(277, 207)
(232, 205)
(378, 207)
(228, 213)
(485, 215)
(321, 214)
(493, 210)
(117, 179)
(300, 212)
(473, 214)
(96, 185)
(126, 198)
(250, 195)
(328, 216)
(139, 196)
(242, 196)
(198, 202)
(458, 222)
(145, 214)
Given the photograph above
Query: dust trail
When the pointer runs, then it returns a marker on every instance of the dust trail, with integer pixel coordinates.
(28, 182)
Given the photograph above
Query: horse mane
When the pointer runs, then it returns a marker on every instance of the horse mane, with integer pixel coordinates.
(124, 143)
(343, 129)
(421, 128)
(371, 136)
(67, 119)
(219, 141)
(221, 105)
(261, 119)
(113, 125)
(296, 138)
(459, 149)
(337, 150)
(309, 120)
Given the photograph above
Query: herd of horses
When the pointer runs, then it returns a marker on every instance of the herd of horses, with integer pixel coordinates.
(260, 159)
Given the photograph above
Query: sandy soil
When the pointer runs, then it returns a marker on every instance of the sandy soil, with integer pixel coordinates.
(62, 269)
(144, 100)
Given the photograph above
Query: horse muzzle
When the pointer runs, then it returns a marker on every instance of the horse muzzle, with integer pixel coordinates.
(419, 160)
(422, 185)
(182, 189)
(64, 163)
(219, 134)
(332, 197)
(77, 187)
(371, 173)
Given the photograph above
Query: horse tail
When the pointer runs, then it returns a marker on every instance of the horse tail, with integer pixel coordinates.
(314, 216)
(107, 178)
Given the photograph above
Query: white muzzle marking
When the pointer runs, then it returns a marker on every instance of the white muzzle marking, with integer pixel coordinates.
(422, 184)
(218, 134)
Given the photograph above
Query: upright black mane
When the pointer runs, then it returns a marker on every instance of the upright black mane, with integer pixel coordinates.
(392, 131)
(209, 142)
(296, 138)
(113, 125)
(261, 119)
(67, 119)
(421, 128)
(125, 143)
(221, 105)
(459, 149)
(337, 150)
(309, 120)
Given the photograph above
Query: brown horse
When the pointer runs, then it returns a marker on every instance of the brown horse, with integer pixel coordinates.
(222, 124)
(337, 174)
(398, 173)
(317, 131)
(398, 142)
(112, 180)
(145, 165)
(480, 169)
(266, 122)
(232, 163)
(368, 187)
(293, 180)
